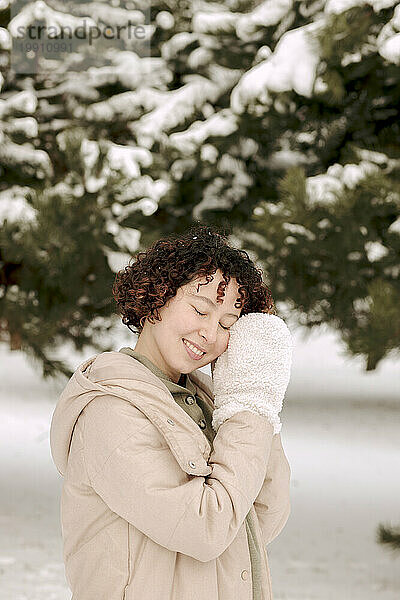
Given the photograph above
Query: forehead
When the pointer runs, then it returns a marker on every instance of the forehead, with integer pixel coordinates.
(203, 282)
(215, 289)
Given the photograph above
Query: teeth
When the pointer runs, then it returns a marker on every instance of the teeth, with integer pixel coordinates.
(193, 348)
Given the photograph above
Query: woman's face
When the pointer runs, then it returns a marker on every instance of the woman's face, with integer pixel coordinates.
(192, 317)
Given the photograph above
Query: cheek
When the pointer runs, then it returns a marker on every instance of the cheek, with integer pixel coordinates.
(222, 344)
(184, 322)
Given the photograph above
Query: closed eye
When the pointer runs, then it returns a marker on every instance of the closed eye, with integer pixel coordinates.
(204, 314)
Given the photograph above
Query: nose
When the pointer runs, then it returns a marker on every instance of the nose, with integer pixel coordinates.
(209, 332)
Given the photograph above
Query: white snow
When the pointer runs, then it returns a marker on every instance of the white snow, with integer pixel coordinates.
(89, 151)
(141, 156)
(176, 43)
(135, 72)
(109, 15)
(222, 124)
(26, 125)
(200, 57)
(324, 189)
(388, 40)
(55, 20)
(351, 174)
(395, 226)
(25, 102)
(174, 108)
(220, 20)
(25, 154)
(127, 238)
(340, 434)
(147, 206)
(116, 260)
(390, 49)
(94, 184)
(127, 105)
(165, 20)
(128, 159)
(371, 155)
(266, 14)
(140, 188)
(5, 39)
(292, 66)
(283, 159)
(375, 251)
(299, 230)
(209, 152)
(339, 6)
(215, 22)
(14, 206)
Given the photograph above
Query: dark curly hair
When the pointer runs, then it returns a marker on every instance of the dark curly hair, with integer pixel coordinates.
(154, 276)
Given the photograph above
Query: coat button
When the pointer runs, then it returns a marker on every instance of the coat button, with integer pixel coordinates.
(171, 422)
(202, 424)
(192, 464)
(244, 575)
(189, 400)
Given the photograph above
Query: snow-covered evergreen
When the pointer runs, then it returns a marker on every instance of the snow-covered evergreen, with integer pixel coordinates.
(279, 118)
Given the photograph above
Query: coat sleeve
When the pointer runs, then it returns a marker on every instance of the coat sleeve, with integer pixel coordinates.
(272, 504)
(132, 468)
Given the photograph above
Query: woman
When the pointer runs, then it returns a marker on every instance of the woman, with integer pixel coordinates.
(175, 482)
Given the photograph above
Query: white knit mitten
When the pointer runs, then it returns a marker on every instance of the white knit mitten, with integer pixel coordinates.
(254, 371)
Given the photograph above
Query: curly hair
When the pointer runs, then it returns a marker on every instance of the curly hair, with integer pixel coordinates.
(154, 276)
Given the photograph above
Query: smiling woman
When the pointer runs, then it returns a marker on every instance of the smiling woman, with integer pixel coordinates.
(184, 293)
(185, 334)
(174, 482)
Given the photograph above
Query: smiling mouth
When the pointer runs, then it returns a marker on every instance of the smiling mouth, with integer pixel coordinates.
(192, 350)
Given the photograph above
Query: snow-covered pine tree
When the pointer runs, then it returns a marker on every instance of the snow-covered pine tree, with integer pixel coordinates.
(331, 242)
(277, 118)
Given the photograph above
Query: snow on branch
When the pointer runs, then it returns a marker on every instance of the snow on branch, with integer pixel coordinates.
(338, 6)
(14, 206)
(25, 102)
(128, 159)
(174, 109)
(389, 39)
(127, 106)
(39, 11)
(110, 15)
(220, 124)
(171, 48)
(222, 20)
(325, 189)
(292, 66)
(5, 39)
(36, 161)
(28, 126)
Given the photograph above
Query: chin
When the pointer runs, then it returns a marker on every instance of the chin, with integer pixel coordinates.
(207, 363)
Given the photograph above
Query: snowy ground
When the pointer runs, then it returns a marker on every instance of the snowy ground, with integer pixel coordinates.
(340, 433)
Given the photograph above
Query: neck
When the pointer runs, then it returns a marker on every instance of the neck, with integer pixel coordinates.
(150, 351)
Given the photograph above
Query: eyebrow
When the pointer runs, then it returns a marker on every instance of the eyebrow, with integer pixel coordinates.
(210, 303)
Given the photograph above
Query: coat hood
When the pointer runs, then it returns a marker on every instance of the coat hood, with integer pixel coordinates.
(117, 374)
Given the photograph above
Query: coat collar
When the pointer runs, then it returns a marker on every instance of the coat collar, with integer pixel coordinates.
(122, 375)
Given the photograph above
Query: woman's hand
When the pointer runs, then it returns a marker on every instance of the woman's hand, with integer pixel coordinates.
(254, 371)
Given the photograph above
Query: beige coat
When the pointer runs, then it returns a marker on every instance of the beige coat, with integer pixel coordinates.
(147, 511)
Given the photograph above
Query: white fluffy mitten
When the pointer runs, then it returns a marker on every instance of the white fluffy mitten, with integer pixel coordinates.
(254, 371)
